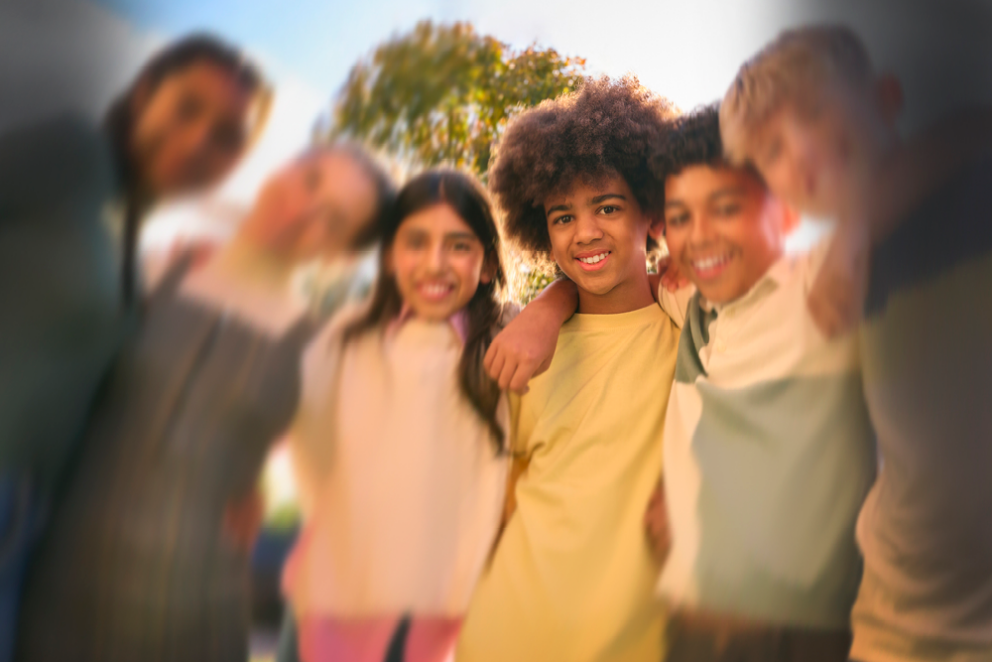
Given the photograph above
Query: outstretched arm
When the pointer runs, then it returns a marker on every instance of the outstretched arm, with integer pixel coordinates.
(526, 346)
(915, 171)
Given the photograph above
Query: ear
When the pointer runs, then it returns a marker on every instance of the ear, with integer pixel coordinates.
(488, 271)
(657, 228)
(888, 91)
(790, 218)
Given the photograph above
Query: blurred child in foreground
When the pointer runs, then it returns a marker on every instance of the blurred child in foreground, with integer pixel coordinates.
(912, 261)
(138, 564)
(72, 196)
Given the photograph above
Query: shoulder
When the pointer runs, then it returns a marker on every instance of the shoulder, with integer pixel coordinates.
(675, 303)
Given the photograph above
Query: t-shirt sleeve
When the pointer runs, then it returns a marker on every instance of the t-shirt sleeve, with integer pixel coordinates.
(675, 303)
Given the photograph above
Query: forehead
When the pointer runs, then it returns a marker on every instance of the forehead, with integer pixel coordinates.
(437, 220)
(697, 183)
(582, 190)
(213, 82)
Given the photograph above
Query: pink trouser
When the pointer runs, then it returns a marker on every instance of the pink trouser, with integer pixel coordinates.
(369, 639)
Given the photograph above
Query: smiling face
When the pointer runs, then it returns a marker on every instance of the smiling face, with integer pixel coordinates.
(598, 236)
(191, 129)
(724, 229)
(317, 206)
(438, 262)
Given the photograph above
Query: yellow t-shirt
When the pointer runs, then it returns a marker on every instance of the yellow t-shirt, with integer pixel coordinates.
(572, 578)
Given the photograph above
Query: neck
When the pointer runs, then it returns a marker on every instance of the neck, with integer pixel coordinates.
(254, 266)
(631, 294)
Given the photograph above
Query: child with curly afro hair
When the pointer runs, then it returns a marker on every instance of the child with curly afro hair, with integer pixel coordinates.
(572, 575)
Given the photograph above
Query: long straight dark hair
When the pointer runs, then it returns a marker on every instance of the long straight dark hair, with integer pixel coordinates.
(485, 309)
(119, 123)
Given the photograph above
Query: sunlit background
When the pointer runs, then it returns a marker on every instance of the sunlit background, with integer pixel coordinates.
(688, 51)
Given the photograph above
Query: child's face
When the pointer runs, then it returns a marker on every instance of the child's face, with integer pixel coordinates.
(438, 262)
(816, 154)
(723, 229)
(191, 130)
(316, 207)
(598, 235)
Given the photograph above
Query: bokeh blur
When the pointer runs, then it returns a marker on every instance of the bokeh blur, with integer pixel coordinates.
(424, 83)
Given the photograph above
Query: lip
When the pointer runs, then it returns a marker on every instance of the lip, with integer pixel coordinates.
(593, 267)
(435, 292)
(714, 271)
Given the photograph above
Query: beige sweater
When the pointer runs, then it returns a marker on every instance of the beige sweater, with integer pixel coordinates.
(400, 483)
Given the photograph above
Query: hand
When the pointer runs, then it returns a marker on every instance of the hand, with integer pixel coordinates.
(836, 300)
(525, 348)
(656, 523)
(671, 278)
(243, 520)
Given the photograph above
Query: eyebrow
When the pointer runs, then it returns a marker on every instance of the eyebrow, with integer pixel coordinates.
(460, 235)
(598, 199)
(730, 190)
(608, 196)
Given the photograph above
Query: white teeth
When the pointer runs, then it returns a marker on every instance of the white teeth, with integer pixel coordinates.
(710, 262)
(594, 259)
(435, 290)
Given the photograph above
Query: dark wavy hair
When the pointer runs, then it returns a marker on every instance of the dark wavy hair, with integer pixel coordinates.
(119, 122)
(485, 309)
(607, 128)
(694, 139)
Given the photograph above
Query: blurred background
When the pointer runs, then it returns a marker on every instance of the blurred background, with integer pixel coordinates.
(425, 82)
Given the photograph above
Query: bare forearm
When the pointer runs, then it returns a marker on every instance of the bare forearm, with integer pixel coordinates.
(556, 303)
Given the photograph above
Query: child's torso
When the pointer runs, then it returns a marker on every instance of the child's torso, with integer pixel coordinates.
(572, 577)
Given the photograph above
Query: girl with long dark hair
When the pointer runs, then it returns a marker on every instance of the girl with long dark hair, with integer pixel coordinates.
(72, 196)
(400, 439)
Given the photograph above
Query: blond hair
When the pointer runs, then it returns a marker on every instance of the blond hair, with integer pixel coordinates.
(787, 69)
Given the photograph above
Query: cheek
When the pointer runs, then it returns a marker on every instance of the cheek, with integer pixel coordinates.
(675, 239)
(469, 269)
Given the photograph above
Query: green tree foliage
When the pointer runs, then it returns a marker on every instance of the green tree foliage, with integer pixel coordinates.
(443, 94)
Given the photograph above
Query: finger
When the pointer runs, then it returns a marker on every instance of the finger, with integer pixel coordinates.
(518, 383)
(496, 367)
(506, 375)
(542, 367)
(491, 354)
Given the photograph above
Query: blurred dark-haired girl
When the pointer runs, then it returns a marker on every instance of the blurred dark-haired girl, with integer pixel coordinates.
(72, 196)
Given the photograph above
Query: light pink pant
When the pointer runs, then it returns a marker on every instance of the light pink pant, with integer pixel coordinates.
(367, 639)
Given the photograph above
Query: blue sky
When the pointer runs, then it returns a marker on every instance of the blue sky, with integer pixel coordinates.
(687, 50)
(694, 47)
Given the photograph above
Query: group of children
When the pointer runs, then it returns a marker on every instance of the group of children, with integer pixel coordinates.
(690, 472)
(785, 459)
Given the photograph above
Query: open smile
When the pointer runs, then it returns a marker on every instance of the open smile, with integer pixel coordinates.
(711, 266)
(434, 291)
(593, 261)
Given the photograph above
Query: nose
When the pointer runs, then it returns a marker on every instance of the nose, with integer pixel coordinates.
(702, 231)
(436, 258)
(587, 229)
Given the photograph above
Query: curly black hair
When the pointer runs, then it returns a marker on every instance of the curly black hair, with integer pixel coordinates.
(693, 139)
(607, 128)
